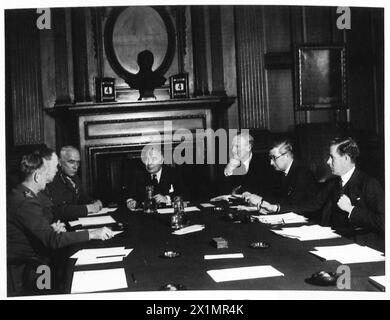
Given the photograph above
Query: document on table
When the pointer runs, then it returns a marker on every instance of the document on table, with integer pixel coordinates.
(171, 210)
(285, 218)
(350, 253)
(89, 230)
(308, 233)
(91, 221)
(100, 255)
(223, 256)
(189, 229)
(207, 205)
(102, 211)
(378, 281)
(244, 273)
(98, 280)
(224, 197)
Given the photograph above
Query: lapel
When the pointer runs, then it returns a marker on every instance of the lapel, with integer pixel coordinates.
(63, 178)
(352, 188)
(288, 181)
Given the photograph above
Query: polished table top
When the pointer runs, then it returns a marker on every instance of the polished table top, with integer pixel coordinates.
(151, 235)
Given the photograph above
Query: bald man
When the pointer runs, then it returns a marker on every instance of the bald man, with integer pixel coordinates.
(69, 199)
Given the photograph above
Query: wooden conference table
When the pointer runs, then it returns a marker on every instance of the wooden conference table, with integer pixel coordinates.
(151, 236)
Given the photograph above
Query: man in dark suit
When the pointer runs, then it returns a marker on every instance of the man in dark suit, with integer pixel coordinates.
(352, 199)
(166, 181)
(294, 187)
(31, 239)
(242, 173)
(66, 192)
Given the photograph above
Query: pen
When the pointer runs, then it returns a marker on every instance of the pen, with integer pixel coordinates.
(133, 277)
(115, 255)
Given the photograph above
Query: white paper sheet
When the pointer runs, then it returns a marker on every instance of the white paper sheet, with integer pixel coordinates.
(171, 210)
(207, 205)
(74, 223)
(225, 197)
(94, 260)
(223, 256)
(113, 232)
(98, 280)
(91, 221)
(378, 281)
(350, 253)
(102, 211)
(98, 252)
(189, 229)
(289, 217)
(308, 233)
(244, 273)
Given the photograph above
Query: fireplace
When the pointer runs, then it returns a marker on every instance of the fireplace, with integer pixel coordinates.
(111, 136)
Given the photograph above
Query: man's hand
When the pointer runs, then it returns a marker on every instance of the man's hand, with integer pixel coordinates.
(131, 204)
(94, 207)
(252, 199)
(159, 198)
(58, 226)
(99, 203)
(345, 204)
(233, 164)
(101, 234)
(267, 208)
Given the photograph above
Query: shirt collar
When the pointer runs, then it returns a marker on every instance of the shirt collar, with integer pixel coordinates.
(288, 168)
(158, 175)
(346, 176)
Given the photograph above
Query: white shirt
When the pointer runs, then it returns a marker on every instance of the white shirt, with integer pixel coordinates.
(288, 168)
(346, 176)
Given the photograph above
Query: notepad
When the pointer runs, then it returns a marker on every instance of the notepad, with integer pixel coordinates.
(98, 252)
(224, 197)
(223, 256)
(207, 205)
(114, 233)
(244, 273)
(98, 280)
(102, 211)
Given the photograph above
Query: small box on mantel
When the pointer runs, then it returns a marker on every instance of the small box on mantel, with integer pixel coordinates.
(178, 85)
(105, 89)
(220, 243)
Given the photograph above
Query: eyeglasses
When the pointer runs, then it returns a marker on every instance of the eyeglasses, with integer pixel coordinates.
(271, 157)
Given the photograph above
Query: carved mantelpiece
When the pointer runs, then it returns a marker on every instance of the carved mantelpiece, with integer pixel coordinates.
(122, 129)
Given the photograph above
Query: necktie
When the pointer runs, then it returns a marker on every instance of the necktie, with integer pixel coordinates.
(154, 180)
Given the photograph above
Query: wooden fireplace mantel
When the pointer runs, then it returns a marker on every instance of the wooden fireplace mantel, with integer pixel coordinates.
(101, 129)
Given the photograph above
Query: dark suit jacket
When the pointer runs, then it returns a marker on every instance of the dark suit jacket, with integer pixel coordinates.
(294, 191)
(252, 181)
(69, 202)
(365, 193)
(137, 181)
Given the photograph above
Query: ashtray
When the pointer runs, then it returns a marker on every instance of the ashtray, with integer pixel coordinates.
(170, 254)
(259, 245)
(218, 209)
(323, 278)
(173, 287)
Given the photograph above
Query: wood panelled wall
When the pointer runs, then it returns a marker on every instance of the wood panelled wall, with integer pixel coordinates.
(23, 79)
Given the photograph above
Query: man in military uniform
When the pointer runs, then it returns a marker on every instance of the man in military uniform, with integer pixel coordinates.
(69, 199)
(31, 239)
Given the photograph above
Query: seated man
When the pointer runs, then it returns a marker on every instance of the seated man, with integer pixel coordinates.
(166, 181)
(69, 199)
(30, 237)
(352, 199)
(242, 173)
(295, 185)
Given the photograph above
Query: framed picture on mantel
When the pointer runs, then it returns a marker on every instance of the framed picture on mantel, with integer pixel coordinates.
(320, 77)
(178, 85)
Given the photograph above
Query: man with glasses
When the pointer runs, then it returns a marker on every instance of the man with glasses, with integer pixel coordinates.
(295, 184)
(66, 192)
